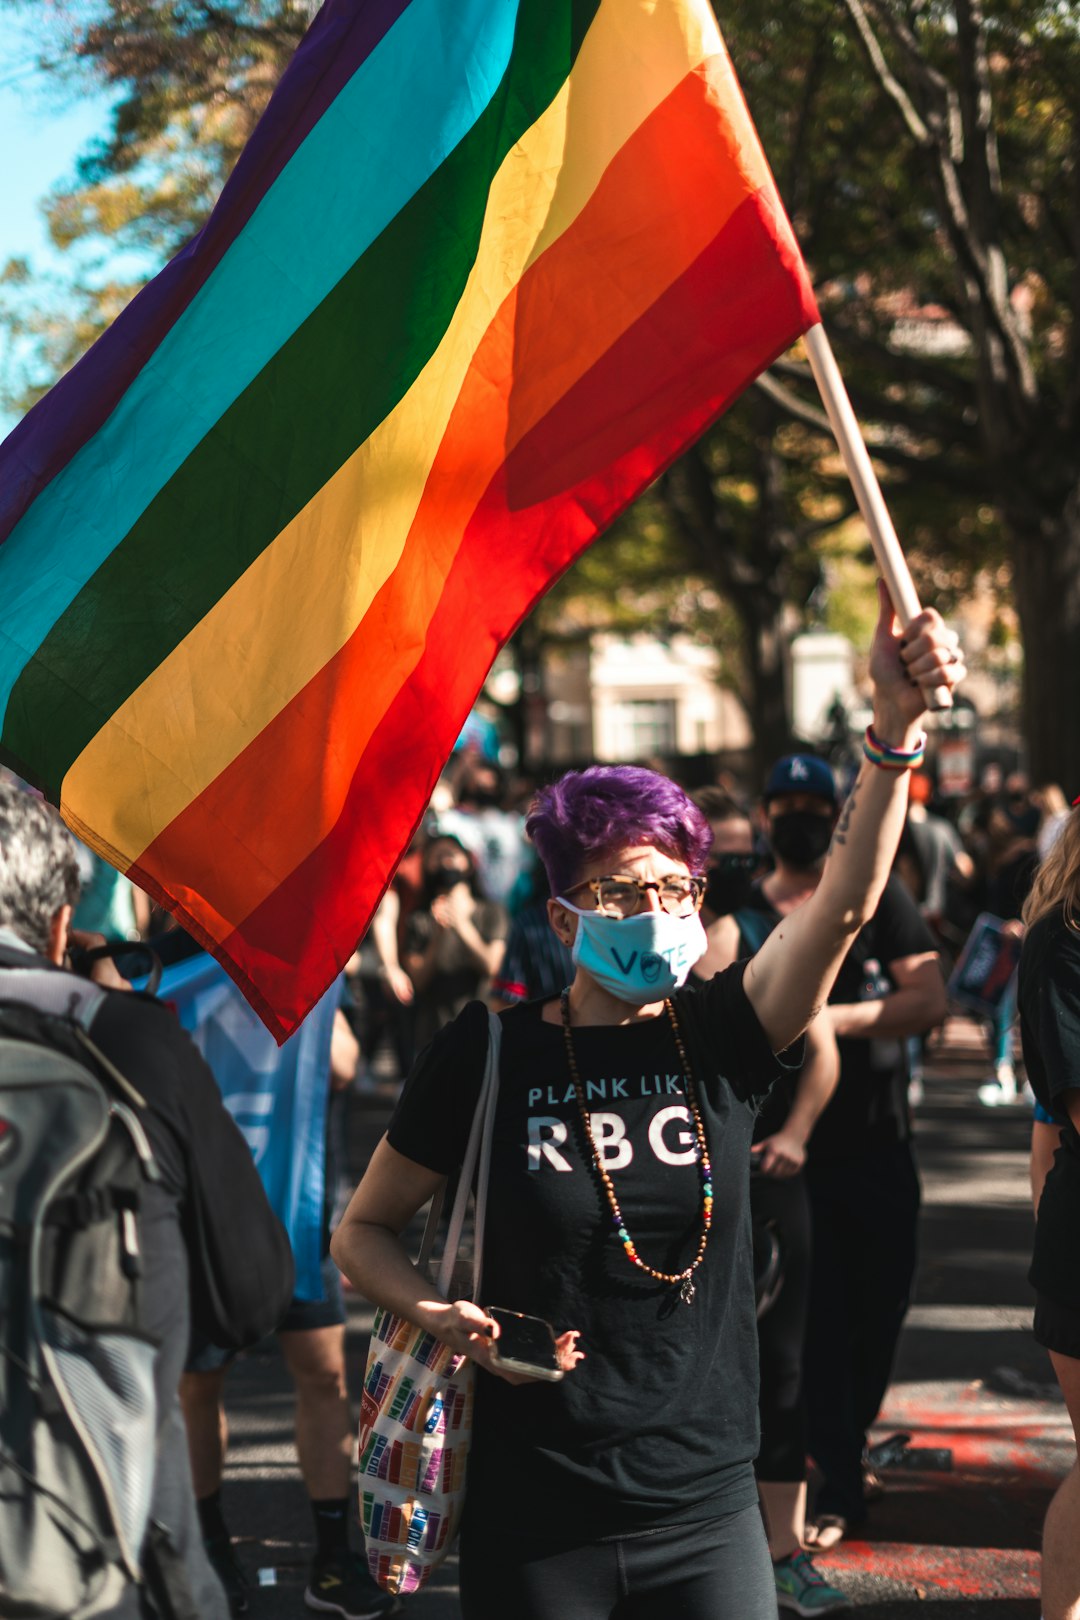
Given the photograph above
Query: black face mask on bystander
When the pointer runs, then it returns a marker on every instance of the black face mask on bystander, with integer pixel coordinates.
(729, 882)
(800, 837)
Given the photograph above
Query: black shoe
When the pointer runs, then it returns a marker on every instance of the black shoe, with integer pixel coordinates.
(223, 1562)
(342, 1586)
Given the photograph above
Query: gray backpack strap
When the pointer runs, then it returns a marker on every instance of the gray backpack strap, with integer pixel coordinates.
(63, 995)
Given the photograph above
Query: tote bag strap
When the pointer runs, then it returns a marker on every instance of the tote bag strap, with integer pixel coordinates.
(487, 1134)
(478, 1148)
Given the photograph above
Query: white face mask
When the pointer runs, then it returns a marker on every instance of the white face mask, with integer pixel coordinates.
(638, 959)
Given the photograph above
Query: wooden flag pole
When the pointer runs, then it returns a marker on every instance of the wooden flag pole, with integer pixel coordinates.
(868, 493)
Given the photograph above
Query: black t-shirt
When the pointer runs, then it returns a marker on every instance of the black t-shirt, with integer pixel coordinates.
(659, 1424)
(868, 1109)
(1049, 996)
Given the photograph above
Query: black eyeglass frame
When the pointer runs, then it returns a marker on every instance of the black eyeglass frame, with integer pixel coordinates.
(643, 885)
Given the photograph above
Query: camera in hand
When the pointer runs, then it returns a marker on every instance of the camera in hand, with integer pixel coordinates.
(133, 958)
(444, 879)
(526, 1344)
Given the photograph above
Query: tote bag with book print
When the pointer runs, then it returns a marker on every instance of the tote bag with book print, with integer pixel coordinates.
(417, 1402)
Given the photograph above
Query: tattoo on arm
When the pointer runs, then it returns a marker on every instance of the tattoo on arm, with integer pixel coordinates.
(842, 826)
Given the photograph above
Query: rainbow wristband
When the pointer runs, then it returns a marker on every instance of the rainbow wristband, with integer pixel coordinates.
(893, 759)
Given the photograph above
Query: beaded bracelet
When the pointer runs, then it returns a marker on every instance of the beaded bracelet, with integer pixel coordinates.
(893, 759)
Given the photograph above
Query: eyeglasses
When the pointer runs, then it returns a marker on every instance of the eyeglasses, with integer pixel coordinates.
(618, 896)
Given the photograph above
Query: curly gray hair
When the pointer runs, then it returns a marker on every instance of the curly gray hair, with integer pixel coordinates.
(38, 870)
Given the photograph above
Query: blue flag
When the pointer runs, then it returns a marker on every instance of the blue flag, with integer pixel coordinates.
(276, 1094)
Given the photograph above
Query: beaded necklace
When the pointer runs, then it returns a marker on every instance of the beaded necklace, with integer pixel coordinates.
(684, 1278)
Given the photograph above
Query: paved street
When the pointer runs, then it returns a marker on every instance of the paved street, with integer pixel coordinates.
(970, 1382)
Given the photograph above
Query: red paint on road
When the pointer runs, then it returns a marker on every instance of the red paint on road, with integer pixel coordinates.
(961, 1571)
(972, 1531)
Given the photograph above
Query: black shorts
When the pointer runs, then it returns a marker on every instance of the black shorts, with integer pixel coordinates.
(305, 1314)
(301, 1316)
(1057, 1327)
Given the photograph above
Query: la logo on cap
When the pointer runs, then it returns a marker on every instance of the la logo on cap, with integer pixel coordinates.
(798, 771)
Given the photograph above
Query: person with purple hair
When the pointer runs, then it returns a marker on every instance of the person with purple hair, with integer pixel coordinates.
(618, 1202)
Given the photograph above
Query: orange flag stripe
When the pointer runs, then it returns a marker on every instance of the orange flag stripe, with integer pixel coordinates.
(749, 294)
(666, 195)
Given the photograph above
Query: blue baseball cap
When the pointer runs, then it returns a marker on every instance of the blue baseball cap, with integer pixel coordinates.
(801, 773)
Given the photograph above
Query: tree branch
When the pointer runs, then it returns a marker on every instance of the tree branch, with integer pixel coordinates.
(810, 531)
(1005, 355)
(790, 403)
(917, 129)
(941, 468)
(920, 420)
(903, 365)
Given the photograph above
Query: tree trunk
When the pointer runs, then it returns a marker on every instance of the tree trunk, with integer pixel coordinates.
(765, 648)
(1046, 568)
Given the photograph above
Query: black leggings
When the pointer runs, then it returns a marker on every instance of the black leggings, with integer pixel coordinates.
(782, 1330)
(716, 1570)
(865, 1225)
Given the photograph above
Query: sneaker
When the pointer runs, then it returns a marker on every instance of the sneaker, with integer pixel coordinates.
(994, 1095)
(802, 1589)
(225, 1566)
(342, 1586)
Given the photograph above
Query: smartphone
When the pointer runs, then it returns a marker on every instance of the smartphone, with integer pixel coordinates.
(526, 1344)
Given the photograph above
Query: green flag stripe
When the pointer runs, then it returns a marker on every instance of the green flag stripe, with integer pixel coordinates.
(313, 404)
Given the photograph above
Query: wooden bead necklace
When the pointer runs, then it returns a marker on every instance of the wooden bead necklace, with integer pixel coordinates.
(684, 1278)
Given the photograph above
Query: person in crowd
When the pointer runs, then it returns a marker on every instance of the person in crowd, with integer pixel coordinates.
(536, 963)
(1011, 856)
(493, 835)
(1053, 808)
(860, 1174)
(733, 859)
(778, 1204)
(454, 941)
(618, 1200)
(311, 1335)
(941, 857)
(380, 988)
(205, 1166)
(931, 863)
(109, 903)
(1049, 999)
(1012, 861)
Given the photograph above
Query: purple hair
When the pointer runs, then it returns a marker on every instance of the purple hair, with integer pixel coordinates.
(608, 808)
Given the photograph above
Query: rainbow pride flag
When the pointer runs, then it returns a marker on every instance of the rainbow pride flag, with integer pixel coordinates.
(484, 269)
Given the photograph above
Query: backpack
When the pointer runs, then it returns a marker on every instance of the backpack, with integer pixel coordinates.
(78, 1418)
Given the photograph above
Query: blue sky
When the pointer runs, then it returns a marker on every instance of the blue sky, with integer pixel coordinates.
(43, 126)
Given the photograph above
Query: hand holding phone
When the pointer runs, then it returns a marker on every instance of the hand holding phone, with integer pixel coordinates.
(526, 1344)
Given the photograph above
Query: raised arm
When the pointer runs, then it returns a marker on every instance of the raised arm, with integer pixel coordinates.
(792, 974)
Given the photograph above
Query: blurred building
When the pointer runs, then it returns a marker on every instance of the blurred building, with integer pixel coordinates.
(635, 698)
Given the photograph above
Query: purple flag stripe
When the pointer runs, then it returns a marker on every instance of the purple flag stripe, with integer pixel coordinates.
(342, 36)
